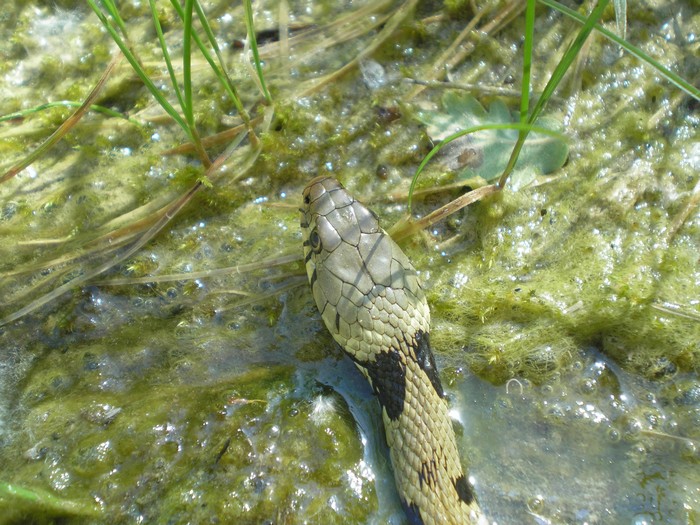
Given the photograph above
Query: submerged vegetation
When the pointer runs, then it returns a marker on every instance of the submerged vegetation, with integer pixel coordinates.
(159, 358)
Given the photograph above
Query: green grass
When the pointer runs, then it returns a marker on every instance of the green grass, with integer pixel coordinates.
(69, 104)
(666, 73)
(135, 236)
(113, 23)
(528, 116)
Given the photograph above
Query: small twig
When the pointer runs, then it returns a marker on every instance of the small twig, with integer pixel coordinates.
(408, 227)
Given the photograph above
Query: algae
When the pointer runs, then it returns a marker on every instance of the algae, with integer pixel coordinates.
(565, 314)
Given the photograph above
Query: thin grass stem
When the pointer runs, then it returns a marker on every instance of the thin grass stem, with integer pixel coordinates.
(187, 108)
(166, 54)
(169, 213)
(47, 501)
(111, 8)
(669, 75)
(73, 104)
(527, 60)
(65, 127)
(131, 57)
(220, 70)
(554, 80)
(254, 48)
(217, 272)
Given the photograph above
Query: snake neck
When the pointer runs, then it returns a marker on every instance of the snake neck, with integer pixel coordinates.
(424, 455)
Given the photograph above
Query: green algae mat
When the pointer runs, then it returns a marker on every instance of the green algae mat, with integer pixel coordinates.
(161, 358)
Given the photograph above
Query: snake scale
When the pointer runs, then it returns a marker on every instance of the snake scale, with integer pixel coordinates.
(371, 301)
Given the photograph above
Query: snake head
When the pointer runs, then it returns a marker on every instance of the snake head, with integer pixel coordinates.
(365, 287)
(333, 220)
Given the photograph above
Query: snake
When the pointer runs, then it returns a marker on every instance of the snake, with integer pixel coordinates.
(371, 300)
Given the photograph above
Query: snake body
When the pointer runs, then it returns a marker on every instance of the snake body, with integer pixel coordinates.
(371, 301)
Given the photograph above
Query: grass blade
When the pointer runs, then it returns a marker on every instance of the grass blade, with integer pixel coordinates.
(554, 81)
(111, 8)
(69, 103)
(29, 499)
(219, 69)
(131, 57)
(669, 75)
(254, 47)
(187, 108)
(527, 60)
(65, 127)
(166, 53)
(621, 17)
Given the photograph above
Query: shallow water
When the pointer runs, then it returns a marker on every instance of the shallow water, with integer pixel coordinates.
(564, 314)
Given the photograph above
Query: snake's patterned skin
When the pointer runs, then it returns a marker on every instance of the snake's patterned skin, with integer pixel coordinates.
(372, 302)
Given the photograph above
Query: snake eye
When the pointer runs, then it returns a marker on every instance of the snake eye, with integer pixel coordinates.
(315, 241)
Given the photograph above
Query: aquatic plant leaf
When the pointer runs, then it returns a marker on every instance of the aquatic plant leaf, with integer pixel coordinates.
(485, 153)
